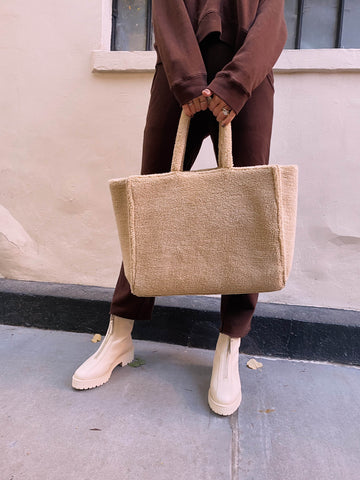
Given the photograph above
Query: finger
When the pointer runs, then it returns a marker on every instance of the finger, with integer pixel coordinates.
(216, 100)
(228, 119)
(196, 104)
(213, 104)
(187, 110)
(217, 105)
(191, 107)
(218, 109)
(223, 114)
(220, 117)
(207, 92)
(203, 103)
(222, 107)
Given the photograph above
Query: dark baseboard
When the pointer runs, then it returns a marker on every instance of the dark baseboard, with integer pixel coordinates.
(291, 331)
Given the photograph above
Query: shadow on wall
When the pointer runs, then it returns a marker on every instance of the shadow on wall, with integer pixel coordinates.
(20, 256)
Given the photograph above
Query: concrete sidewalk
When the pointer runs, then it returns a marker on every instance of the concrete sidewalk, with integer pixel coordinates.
(298, 420)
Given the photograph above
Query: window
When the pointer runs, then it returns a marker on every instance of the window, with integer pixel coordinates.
(131, 25)
(323, 23)
(311, 24)
(350, 37)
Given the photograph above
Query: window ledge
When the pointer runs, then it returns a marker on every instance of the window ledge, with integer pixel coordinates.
(115, 61)
(290, 61)
(320, 60)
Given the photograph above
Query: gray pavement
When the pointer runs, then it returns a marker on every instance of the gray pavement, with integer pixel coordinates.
(298, 420)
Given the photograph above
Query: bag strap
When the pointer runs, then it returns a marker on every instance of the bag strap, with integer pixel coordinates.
(225, 145)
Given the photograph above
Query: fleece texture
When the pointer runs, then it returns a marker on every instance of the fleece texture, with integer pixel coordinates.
(225, 230)
(254, 29)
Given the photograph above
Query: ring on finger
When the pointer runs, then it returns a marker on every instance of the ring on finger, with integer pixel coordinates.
(226, 112)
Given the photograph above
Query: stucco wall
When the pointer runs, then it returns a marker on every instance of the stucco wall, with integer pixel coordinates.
(65, 130)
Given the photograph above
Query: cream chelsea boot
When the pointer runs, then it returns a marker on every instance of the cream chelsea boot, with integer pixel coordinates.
(225, 389)
(116, 348)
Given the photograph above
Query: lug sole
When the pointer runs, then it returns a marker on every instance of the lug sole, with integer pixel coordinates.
(80, 384)
(224, 409)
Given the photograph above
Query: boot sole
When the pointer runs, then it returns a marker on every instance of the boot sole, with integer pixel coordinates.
(224, 409)
(79, 384)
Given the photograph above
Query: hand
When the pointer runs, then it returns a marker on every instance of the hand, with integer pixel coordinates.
(219, 108)
(195, 105)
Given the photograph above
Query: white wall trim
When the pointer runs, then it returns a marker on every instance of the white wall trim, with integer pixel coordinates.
(111, 61)
(319, 60)
(290, 61)
(106, 24)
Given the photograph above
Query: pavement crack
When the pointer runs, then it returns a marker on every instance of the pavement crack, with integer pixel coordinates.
(235, 446)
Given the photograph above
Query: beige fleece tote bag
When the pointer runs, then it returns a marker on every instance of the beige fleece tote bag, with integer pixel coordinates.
(226, 230)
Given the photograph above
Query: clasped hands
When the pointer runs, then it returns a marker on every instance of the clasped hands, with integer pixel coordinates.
(223, 113)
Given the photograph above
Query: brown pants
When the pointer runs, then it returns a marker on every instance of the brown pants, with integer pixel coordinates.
(251, 131)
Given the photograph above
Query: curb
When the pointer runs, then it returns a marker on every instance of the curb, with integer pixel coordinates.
(291, 331)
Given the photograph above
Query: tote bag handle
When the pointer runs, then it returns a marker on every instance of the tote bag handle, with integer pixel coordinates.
(225, 145)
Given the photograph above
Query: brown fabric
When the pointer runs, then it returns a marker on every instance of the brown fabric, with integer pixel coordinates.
(251, 142)
(236, 313)
(126, 305)
(255, 29)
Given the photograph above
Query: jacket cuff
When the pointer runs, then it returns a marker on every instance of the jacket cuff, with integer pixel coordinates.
(232, 93)
(189, 89)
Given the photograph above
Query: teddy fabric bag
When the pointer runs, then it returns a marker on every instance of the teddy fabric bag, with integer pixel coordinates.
(225, 230)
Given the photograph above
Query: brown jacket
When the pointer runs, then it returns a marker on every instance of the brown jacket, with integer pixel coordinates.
(255, 28)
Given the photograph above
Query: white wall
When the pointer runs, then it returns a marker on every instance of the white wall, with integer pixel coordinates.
(65, 130)
(316, 125)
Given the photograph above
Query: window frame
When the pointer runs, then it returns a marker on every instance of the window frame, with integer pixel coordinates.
(148, 32)
(298, 32)
(105, 60)
(339, 29)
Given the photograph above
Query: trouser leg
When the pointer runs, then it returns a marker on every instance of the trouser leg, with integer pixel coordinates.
(251, 133)
(251, 144)
(127, 305)
(159, 138)
(236, 314)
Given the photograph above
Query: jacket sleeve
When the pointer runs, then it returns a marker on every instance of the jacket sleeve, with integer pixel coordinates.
(178, 49)
(263, 44)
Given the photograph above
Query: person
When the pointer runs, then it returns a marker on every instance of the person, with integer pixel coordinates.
(214, 61)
